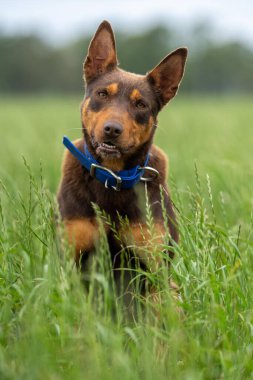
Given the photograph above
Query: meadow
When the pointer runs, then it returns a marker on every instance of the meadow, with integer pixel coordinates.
(51, 328)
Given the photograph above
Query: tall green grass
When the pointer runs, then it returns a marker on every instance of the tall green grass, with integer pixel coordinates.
(52, 328)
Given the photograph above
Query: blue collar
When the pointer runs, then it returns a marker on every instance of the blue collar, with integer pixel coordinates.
(124, 179)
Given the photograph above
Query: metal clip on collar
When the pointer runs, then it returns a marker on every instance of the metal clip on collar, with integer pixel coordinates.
(118, 179)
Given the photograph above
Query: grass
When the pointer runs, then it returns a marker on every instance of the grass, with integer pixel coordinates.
(50, 328)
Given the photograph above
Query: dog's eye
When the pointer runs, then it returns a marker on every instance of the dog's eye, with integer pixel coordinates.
(103, 93)
(140, 104)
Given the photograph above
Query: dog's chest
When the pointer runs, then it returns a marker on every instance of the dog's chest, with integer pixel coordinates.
(128, 203)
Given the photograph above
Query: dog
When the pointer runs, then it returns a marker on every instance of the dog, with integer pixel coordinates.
(115, 163)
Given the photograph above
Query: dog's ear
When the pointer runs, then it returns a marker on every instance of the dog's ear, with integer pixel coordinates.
(101, 53)
(166, 76)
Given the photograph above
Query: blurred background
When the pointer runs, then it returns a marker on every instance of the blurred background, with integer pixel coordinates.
(42, 48)
(43, 44)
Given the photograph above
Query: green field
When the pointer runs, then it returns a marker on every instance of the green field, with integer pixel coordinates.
(50, 328)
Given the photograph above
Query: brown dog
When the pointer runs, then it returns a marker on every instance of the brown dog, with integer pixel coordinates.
(119, 116)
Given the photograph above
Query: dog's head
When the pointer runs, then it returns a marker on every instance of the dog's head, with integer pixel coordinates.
(120, 109)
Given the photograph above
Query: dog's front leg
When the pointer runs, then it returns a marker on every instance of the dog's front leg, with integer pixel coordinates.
(82, 233)
(148, 245)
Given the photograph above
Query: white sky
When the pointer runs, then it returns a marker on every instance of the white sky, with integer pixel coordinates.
(59, 20)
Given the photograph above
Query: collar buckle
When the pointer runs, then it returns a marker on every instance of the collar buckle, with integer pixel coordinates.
(117, 178)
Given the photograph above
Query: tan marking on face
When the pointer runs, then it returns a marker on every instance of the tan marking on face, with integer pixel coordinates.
(145, 135)
(133, 134)
(115, 164)
(85, 105)
(135, 94)
(148, 248)
(137, 134)
(81, 234)
(112, 88)
(88, 117)
(101, 118)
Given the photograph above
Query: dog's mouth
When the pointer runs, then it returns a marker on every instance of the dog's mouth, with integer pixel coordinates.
(108, 149)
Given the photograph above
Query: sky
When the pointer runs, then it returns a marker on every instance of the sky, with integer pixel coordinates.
(61, 20)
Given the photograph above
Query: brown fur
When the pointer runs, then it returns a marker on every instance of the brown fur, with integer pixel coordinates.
(149, 247)
(132, 102)
(82, 234)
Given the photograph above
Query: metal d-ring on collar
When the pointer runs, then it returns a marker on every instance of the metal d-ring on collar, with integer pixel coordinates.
(118, 179)
(148, 169)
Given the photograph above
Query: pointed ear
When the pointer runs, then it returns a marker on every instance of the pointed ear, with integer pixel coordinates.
(101, 53)
(166, 76)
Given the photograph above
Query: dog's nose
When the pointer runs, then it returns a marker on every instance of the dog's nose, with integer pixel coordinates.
(112, 129)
